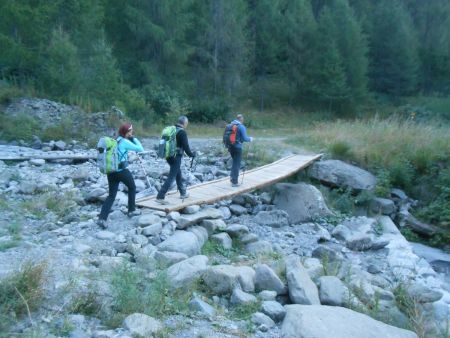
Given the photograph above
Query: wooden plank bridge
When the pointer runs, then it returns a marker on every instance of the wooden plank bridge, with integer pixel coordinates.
(213, 191)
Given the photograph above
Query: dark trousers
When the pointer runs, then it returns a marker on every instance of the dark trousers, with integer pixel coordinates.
(236, 155)
(114, 179)
(174, 173)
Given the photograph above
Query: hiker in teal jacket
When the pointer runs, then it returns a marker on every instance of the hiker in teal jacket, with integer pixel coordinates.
(126, 141)
(236, 149)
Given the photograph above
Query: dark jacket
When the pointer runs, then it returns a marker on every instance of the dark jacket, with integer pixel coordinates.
(182, 141)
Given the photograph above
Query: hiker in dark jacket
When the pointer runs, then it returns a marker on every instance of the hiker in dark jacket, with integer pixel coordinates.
(175, 162)
(236, 149)
(126, 141)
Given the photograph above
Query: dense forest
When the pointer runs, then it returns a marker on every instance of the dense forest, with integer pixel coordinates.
(154, 57)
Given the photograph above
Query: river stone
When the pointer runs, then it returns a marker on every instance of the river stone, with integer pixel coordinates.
(221, 279)
(187, 220)
(223, 239)
(198, 305)
(273, 309)
(142, 325)
(237, 230)
(260, 318)
(239, 297)
(274, 218)
(181, 241)
(152, 230)
(211, 225)
(303, 202)
(332, 291)
(320, 321)
(148, 219)
(168, 258)
(259, 248)
(341, 174)
(382, 206)
(267, 279)
(187, 271)
(237, 209)
(302, 289)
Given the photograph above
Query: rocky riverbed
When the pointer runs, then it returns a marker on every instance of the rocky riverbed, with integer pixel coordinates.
(273, 263)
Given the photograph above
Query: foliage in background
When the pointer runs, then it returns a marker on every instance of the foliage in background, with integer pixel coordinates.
(326, 54)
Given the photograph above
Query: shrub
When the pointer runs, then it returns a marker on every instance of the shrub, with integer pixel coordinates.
(209, 110)
(19, 127)
(340, 149)
(167, 105)
(21, 293)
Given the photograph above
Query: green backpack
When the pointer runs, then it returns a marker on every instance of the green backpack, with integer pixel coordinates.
(108, 157)
(168, 144)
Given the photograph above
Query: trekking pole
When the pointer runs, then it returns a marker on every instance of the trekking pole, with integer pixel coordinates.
(143, 169)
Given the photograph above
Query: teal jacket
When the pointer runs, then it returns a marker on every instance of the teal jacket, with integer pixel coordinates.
(125, 145)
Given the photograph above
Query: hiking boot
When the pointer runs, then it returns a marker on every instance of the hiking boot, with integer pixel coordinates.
(133, 213)
(234, 185)
(161, 201)
(101, 223)
(184, 196)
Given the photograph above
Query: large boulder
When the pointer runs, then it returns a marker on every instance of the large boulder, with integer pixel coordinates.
(302, 289)
(186, 220)
(142, 325)
(303, 202)
(316, 321)
(267, 279)
(341, 174)
(358, 234)
(187, 271)
(181, 241)
(222, 279)
(333, 291)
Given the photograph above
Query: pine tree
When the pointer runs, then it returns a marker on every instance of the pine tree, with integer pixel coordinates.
(393, 50)
(60, 72)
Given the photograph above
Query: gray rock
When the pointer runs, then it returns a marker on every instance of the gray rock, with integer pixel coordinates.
(181, 241)
(333, 291)
(139, 239)
(382, 206)
(237, 209)
(60, 145)
(302, 289)
(226, 213)
(198, 305)
(237, 230)
(423, 294)
(274, 310)
(266, 198)
(106, 235)
(200, 233)
(94, 195)
(274, 218)
(173, 215)
(325, 252)
(303, 202)
(27, 187)
(38, 162)
(186, 220)
(239, 297)
(267, 279)
(211, 225)
(246, 278)
(148, 219)
(152, 230)
(187, 271)
(142, 325)
(223, 239)
(191, 209)
(260, 318)
(249, 238)
(341, 174)
(267, 295)
(315, 321)
(221, 279)
(259, 248)
(168, 258)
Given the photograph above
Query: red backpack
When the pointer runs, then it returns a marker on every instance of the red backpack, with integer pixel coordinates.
(230, 134)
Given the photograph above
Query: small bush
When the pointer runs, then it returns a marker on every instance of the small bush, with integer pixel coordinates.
(245, 311)
(340, 149)
(21, 293)
(209, 110)
(19, 127)
(167, 105)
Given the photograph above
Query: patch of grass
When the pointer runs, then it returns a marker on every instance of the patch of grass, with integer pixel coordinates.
(245, 311)
(9, 130)
(60, 203)
(21, 293)
(133, 292)
(211, 248)
(340, 149)
(86, 303)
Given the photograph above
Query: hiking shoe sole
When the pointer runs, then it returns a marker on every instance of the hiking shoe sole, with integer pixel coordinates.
(183, 197)
(161, 201)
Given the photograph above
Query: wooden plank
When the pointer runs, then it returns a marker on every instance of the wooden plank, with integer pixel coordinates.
(213, 191)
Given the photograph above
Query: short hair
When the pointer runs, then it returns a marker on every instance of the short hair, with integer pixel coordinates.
(239, 116)
(182, 120)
